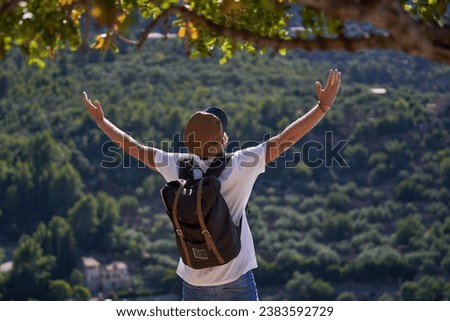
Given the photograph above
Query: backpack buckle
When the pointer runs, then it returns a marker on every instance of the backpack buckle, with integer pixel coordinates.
(179, 232)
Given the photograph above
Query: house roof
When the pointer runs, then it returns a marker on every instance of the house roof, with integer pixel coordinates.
(116, 265)
(6, 267)
(89, 262)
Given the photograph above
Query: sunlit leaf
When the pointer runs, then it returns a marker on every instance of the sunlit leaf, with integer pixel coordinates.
(96, 11)
(182, 32)
(65, 2)
(75, 15)
(37, 61)
(193, 33)
(100, 42)
(121, 18)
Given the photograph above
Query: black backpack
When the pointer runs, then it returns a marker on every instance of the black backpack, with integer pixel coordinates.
(205, 233)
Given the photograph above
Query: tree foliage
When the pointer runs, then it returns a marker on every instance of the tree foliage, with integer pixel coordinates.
(421, 27)
(30, 274)
(58, 239)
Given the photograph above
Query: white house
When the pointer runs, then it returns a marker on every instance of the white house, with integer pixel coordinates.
(105, 278)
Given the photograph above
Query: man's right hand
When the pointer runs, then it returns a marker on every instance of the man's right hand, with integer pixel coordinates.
(328, 94)
(95, 110)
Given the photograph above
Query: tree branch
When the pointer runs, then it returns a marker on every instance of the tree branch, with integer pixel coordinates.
(410, 35)
(152, 24)
(85, 31)
(239, 35)
(405, 33)
(8, 6)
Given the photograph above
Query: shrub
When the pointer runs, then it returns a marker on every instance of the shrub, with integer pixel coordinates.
(338, 201)
(306, 287)
(338, 227)
(427, 288)
(409, 191)
(347, 296)
(408, 228)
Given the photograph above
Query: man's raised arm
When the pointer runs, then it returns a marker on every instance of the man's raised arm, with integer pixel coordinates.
(126, 142)
(295, 131)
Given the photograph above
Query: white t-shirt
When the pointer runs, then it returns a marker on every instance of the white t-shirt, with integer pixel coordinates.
(237, 181)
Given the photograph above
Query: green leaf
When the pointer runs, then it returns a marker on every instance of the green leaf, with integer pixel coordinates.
(37, 61)
(223, 60)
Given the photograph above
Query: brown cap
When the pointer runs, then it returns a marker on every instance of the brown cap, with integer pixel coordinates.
(203, 135)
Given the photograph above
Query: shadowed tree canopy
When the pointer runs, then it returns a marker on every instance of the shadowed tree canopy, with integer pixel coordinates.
(41, 28)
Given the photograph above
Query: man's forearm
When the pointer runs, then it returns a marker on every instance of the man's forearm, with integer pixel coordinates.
(293, 133)
(118, 136)
(299, 128)
(128, 143)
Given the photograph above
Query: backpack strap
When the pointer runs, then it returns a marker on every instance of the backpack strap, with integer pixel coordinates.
(209, 241)
(218, 165)
(186, 167)
(177, 224)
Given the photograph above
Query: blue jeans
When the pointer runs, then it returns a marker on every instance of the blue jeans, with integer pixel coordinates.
(243, 289)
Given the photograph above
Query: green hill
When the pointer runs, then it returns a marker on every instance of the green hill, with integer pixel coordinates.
(358, 209)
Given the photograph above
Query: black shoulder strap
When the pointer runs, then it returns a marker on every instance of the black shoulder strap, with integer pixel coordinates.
(218, 165)
(186, 167)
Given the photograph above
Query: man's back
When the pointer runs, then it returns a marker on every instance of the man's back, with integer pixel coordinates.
(237, 181)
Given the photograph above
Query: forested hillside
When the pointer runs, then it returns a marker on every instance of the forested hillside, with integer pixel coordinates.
(358, 210)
